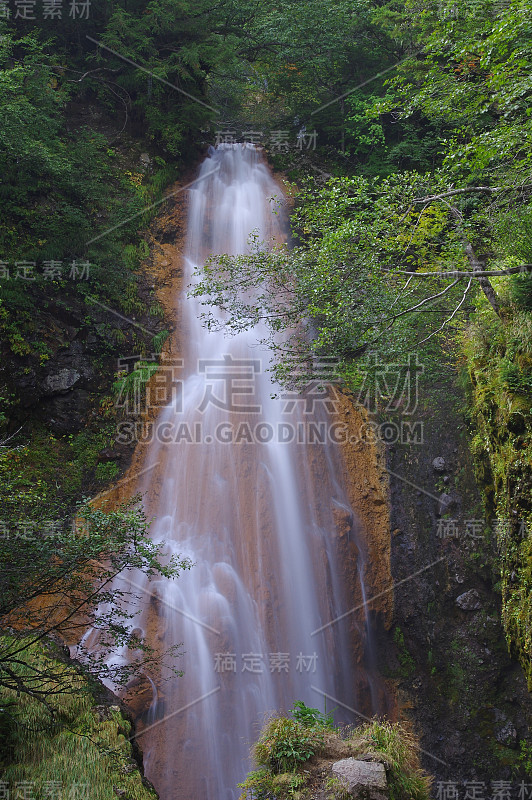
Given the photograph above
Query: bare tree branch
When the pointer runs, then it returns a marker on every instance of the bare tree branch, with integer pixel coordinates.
(524, 268)
(422, 303)
(455, 312)
(469, 190)
(453, 192)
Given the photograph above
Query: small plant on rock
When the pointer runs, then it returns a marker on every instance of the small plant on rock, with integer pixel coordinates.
(285, 744)
(337, 789)
(311, 717)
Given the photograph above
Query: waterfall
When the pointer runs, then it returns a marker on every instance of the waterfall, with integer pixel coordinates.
(257, 515)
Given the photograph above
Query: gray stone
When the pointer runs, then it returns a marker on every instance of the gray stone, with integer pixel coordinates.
(505, 732)
(145, 160)
(62, 381)
(438, 464)
(469, 601)
(365, 780)
(507, 735)
(446, 502)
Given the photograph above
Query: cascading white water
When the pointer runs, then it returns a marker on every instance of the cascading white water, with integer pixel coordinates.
(257, 518)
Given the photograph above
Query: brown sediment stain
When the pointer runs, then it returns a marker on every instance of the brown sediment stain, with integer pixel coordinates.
(164, 268)
(366, 482)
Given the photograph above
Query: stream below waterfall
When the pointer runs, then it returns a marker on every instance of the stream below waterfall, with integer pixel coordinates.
(235, 482)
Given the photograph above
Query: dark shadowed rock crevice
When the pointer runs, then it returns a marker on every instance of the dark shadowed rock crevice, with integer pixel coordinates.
(447, 648)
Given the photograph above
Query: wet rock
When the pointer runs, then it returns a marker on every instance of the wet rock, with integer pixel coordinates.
(343, 521)
(62, 381)
(365, 780)
(139, 695)
(469, 601)
(516, 423)
(109, 455)
(438, 465)
(66, 413)
(104, 711)
(156, 602)
(145, 161)
(453, 748)
(505, 732)
(446, 503)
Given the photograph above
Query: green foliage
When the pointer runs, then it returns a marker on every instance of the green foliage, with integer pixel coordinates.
(285, 744)
(342, 291)
(42, 479)
(258, 785)
(311, 717)
(56, 580)
(58, 211)
(499, 361)
(50, 199)
(471, 76)
(128, 388)
(525, 756)
(261, 784)
(521, 291)
(400, 751)
(365, 135)
(83, 747)
(337, 789)
(179, 46)
(159, 339)
(107, 471)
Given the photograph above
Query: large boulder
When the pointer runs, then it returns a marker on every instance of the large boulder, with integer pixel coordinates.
(365, 780)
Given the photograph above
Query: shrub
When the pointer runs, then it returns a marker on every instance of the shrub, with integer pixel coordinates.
(311, 717)
(521, 291)
(399, 749)
(107, 471)
(263, 785)
(285, 744)
(337, 789)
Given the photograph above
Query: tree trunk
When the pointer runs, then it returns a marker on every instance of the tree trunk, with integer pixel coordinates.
(485, 284)
(478, 266)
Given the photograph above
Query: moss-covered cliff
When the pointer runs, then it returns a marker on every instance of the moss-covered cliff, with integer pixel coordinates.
(498, 359)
